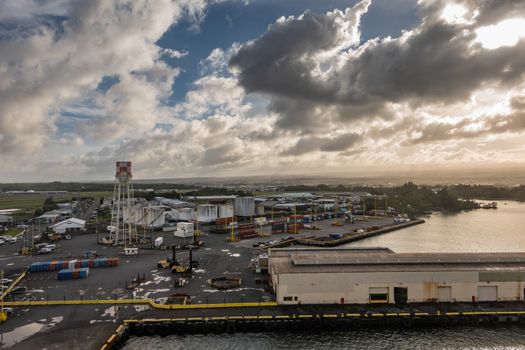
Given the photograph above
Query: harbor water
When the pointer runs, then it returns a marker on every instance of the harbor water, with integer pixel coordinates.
(483, 230)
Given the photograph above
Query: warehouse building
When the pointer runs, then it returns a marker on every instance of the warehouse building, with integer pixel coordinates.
(378, 275)
(69, 225)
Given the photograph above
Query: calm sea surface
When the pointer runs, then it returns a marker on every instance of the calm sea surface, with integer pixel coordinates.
(476, 231)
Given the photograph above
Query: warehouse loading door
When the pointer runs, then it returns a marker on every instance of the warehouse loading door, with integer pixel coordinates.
(400, 295)
(378, 295)
(487, 293)
(445, 294)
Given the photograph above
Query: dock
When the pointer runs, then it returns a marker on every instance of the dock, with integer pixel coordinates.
(316, 317)
(347, 237)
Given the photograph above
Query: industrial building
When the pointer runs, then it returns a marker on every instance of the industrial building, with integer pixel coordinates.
(378, 275)
(69, 225)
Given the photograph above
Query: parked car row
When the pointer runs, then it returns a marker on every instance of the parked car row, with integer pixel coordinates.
(10, 239)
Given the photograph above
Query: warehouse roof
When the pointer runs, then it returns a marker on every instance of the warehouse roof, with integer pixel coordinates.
(70, 221)
(312, 260)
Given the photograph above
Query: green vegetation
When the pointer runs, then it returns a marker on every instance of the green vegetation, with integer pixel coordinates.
(413, 199)
(409, 198)
(75, 187)
(486, 192)
(95, 194)
(216, 191)
(25, 201)
(12, 232)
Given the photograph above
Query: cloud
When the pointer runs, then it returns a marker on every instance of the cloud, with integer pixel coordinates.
(513, 122)
(314, 70)
(337, 143)
(286, 59)
(85, 84)
(46, 66)
(174, 53)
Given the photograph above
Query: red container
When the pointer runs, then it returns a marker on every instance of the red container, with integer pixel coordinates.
(294, 228)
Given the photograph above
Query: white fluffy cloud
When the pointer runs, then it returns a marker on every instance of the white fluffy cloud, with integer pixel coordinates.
(45, 68)
(85, 83)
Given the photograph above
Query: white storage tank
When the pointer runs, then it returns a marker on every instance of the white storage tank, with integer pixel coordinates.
(154, 216)
(207, 212)
(225, 211)
(184, 230)
(244, 206)
(133, 214)
(185, 214)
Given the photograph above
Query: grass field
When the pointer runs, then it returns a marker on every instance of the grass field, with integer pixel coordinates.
(97, 194)
(26, 201)
(12, 232)
(30, 202)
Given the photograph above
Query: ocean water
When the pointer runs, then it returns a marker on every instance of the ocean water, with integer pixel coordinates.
(500, 337)
(501, 230)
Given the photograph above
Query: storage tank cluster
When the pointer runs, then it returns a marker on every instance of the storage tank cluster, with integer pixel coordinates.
(244, 206)
(207, 212)
(154, 216)
(225, 211)
(182, 214)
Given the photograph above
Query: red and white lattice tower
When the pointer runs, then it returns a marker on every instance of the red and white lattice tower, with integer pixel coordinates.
(123, 224)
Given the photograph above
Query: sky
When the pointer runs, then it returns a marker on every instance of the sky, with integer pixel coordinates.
(199, 88)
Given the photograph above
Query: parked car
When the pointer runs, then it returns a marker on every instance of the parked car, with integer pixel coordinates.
(6, 281)
(45, 250)
(51, 246)
(18, 290)
(11, 240)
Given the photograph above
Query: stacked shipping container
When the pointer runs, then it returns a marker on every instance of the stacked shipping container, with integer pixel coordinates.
(73, 274)
(57, 265)
(278, 227)
(295, 223)
(247, 231)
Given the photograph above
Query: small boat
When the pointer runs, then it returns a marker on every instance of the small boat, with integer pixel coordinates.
(492, 205)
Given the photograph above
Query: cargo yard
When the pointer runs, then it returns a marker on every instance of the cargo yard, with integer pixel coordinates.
(200, 256)
(136, 276)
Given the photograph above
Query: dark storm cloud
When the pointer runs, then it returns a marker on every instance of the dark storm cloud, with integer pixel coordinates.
(437, 62)
(282, 60)
(219, 155)
(326, 144)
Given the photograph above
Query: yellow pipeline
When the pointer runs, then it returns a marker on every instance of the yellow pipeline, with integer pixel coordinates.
(149, 302)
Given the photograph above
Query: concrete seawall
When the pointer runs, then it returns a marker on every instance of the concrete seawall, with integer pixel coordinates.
(318, 317)
(348, 237)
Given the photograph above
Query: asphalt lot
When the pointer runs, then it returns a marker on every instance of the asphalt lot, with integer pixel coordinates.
(217, 258)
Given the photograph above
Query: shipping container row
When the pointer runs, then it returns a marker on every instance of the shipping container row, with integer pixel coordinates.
(73, 274)
(278, 227)
(294, 228)
(57, 265)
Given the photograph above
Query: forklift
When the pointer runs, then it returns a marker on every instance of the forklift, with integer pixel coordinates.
(182, 267)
